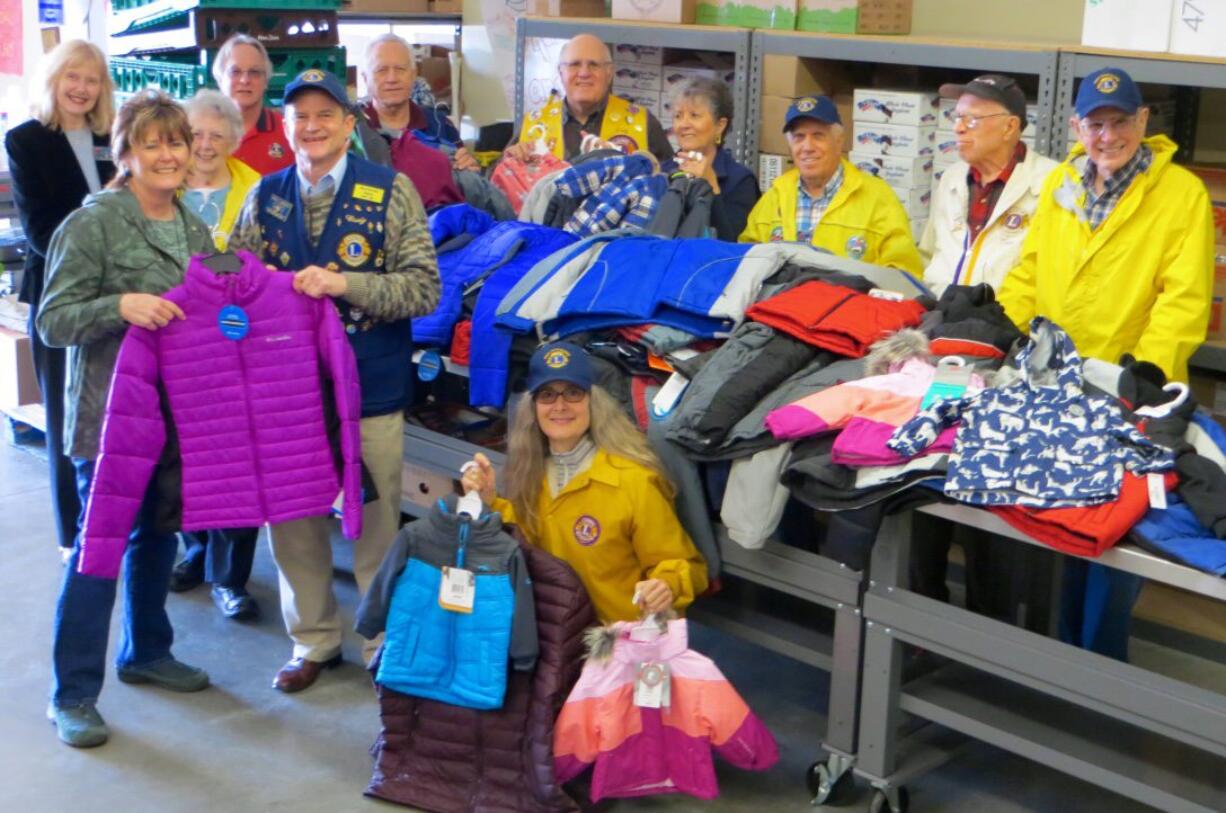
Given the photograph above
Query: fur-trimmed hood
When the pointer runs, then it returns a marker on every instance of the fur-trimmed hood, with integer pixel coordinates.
(889, 354)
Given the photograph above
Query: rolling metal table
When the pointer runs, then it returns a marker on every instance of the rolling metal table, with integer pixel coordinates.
(1159, 741)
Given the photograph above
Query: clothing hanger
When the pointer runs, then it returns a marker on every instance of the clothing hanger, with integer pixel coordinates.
(223, 262)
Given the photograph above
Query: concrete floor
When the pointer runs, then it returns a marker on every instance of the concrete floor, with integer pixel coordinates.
(241, 746)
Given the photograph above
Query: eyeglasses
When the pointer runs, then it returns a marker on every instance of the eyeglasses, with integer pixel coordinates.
(971, 122)
(1097, 127)
(570, 394)
(588, 65)
(250, 73)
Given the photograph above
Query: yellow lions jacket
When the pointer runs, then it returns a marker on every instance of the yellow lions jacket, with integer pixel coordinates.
(614, 523)
(865, 221)
(1141, 283)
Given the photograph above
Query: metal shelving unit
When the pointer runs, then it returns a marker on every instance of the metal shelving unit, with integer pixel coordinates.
(1153, 739)
(986, 56)
(625, 32)
(1210, 356)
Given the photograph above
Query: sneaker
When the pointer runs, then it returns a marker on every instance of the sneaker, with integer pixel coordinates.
(169, 674)
(79, 726)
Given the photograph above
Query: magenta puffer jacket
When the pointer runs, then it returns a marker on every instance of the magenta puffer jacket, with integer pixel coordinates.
(242, 379)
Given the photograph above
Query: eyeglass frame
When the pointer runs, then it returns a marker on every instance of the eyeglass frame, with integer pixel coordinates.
(248, 73)
(1122, 123)
(972, 122)
(554, 395)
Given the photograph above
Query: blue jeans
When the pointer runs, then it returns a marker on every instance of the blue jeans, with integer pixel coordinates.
(1096, 607)
(83, 614)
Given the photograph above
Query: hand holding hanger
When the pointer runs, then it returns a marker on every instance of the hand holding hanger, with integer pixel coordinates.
(653, 596)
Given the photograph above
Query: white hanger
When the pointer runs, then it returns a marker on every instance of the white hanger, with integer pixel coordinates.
(470, 503)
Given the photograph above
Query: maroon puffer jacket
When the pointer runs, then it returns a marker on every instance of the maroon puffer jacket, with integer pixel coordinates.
(448, 759)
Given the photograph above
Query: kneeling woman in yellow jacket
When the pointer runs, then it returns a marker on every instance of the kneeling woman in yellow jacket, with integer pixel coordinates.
(584, 485)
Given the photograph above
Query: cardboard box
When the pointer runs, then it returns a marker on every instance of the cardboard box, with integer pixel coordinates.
(945, 116)
(566, 8)
(414, 6)
(770, 167)
(637, 77)
(794, 76)
(938, 170)
(896, 106)
(779, 15)
(1134, 25)
(915, 201)
(1198, 27)
(675, 77)
(854, 16)
(646, 99)
(917, 228)
(18, 383)
(446, 6)
(901, 173)
(946, 148)
(894, 139)
(645, 54)
(656, 11)
(1214, 179)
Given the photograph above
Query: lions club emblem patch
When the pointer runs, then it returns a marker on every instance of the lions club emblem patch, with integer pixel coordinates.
(354, 250)
(1107, 83)
(557, 358)
(312, 75)
(587, 530)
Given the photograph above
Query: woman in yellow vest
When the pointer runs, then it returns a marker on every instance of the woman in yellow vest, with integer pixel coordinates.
(217, 182)
(584, 485)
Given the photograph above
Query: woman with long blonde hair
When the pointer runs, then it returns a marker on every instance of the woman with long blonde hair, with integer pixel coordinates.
(584, 485)
(57, 158)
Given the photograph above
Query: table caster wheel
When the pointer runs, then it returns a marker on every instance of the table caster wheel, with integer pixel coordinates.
(890, 800)
(826, 790)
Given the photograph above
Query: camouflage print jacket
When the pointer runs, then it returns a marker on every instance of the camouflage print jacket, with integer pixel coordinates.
(101, 251)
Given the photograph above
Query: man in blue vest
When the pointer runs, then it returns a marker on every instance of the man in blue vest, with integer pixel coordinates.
(354, 231)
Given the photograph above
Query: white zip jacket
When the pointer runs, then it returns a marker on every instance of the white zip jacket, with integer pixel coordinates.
(949, 256)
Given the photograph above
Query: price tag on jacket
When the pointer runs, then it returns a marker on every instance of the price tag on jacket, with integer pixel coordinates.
(651, 686)
(457, 590)
(950, 382)
(1157, 490)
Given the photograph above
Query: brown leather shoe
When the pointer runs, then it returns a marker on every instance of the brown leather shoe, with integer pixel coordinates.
(299, 673)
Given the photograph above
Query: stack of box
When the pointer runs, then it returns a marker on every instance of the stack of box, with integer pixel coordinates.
(638, 75)
(785, 78)
(854, 16)
(895, 139)
(172, 43)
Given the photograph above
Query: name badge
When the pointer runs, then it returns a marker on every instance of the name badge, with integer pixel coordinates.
(279, 207)
(458, 590)
(102, 153)
(371, 193)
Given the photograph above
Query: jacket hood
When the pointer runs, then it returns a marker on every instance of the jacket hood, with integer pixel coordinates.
(1050, 359)
(888, 354)
(614, 641)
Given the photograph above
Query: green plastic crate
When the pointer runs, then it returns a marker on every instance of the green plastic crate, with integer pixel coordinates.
(180, 80)
(323, 5)
(182, 73)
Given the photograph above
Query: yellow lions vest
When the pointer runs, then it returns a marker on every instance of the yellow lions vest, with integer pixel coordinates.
(624, 125)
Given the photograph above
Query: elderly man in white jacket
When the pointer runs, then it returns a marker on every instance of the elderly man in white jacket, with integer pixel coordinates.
(983, 205)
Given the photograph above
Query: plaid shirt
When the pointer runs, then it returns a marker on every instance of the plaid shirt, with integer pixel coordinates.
(982, 198)
(617, 192)
(1099, 207)
(809, 210)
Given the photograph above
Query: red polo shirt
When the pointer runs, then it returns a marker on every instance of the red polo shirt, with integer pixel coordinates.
(264, 147)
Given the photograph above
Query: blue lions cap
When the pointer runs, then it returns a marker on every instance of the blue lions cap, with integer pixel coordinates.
(1108, 87)
(818, 108)
(561, 361)
(319, 80)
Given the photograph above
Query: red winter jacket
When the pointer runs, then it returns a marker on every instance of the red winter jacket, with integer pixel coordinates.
(835, 318)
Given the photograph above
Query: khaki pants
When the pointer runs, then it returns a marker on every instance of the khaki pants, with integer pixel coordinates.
(302, 549)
